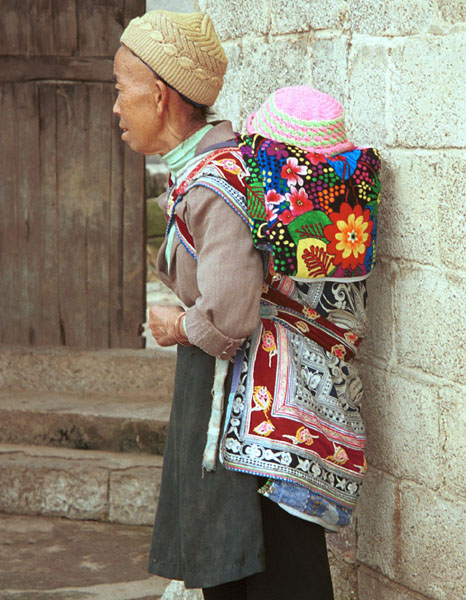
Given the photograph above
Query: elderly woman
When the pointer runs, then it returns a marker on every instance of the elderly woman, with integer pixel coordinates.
(212, 529)
(168, 71)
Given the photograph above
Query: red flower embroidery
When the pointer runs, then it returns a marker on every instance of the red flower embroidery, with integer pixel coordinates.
(285, 217)
(351, 337)
(315, 158)
(270, 211)
(310, 313)
(272, 200)
(349, 235)
(291, 171)
(273, 197)
(299, 201)
(339, 351)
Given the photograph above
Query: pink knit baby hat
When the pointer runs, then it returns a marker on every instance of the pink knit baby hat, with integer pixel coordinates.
(304, 117)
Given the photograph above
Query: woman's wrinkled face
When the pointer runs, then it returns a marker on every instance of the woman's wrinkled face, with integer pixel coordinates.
(136, 104)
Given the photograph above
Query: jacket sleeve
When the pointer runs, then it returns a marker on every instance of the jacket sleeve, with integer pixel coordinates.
(229, 275)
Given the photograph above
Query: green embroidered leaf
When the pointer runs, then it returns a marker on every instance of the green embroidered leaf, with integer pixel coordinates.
(310, 224)
(312, 230)
(374, 206)
(375, 191)
(256, 200)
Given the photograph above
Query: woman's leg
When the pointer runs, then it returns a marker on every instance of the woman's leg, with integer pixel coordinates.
(234, 590)
(295, 557)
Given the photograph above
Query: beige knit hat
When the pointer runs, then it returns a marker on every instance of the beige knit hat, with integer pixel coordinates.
(183, 49)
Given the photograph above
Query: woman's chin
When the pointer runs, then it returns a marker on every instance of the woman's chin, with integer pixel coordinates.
(131, 143)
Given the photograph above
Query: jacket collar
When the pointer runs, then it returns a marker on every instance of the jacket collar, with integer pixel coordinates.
(221, 132)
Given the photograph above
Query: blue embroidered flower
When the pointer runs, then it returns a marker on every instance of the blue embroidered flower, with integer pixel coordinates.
(345, 164)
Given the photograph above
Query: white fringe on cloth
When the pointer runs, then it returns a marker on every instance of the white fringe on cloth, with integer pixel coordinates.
(215, 421)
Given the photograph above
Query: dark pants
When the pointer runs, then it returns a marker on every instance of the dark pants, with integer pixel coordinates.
(296, 562)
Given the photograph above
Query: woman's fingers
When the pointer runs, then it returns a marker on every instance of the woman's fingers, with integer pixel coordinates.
(162, 323)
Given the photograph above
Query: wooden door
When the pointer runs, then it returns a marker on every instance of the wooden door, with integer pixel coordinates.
(72, 259)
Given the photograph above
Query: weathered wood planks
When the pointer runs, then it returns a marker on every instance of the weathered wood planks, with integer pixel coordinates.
(64, 27)
(72, 267)
(59, 68)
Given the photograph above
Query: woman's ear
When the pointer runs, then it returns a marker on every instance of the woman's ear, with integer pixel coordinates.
(160, 96)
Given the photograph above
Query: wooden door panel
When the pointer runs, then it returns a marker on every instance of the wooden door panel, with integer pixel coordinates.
(72, 266)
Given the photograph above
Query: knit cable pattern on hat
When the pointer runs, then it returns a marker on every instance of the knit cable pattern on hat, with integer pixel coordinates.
(303, 117)
(183, 49)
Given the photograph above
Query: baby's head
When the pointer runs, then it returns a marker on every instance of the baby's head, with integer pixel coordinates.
(304, 117)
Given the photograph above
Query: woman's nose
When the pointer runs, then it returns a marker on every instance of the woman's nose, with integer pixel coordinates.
(116, 108)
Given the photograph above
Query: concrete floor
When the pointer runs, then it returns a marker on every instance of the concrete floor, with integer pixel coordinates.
(44, 558)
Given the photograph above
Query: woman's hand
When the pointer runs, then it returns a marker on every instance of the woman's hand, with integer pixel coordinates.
(162, 321)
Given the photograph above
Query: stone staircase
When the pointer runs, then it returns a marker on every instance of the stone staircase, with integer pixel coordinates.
(81, 438)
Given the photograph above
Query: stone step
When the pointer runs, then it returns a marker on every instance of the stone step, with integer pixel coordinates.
(45, 558)
(119, 372)
(85, 421)
(79, 484)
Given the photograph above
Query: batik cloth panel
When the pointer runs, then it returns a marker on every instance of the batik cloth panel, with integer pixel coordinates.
(294, 415)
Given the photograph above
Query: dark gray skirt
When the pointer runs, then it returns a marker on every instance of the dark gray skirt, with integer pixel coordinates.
(208, 529)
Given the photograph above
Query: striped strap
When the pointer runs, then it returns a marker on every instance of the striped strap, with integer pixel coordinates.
(340, 342)
(234, 198)
(185, 237)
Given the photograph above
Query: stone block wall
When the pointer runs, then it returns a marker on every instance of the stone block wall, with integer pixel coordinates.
(399, 68)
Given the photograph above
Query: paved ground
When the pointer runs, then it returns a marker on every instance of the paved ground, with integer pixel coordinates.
(45, 558)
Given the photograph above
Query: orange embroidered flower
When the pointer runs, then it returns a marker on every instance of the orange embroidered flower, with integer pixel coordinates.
(268, 341)
(302, 326)
(269, 345)
(310, 313)
(339, 456)
(349, 235)
(303, 435)
(264, 428)
(229, 165)
(262, 397)
(351, 337)
(339, 350)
